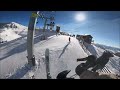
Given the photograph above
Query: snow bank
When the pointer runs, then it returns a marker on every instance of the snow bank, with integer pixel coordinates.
(93, 49)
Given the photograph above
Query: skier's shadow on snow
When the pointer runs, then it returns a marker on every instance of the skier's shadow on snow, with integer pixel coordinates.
(64, 49)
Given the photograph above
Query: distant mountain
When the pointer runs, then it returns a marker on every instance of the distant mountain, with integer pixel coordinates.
(110, 48)
(12, 25)
(11, 31)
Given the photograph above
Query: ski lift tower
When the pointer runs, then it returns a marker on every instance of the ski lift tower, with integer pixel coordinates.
(30, 37)
(51, 18)
(52, 24)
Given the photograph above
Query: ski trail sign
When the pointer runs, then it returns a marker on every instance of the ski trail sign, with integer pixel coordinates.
(47, 64)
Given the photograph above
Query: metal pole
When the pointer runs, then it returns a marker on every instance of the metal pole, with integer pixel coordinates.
(45, 24)
(44, 29)
(30, 38)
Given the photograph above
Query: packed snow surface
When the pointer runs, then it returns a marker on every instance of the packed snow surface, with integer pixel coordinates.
(63, 54)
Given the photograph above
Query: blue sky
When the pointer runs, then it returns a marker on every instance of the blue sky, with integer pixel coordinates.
(104, 26)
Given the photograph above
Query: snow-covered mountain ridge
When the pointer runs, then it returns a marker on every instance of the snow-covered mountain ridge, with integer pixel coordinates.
(11, 31)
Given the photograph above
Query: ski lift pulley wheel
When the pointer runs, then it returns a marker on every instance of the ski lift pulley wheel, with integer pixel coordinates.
(51, 18)
(52, 23)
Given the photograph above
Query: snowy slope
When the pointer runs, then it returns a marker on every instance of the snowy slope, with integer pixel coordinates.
(11, 31)
(12, 25)
(63, 55)
(94, 50)
(8, 35)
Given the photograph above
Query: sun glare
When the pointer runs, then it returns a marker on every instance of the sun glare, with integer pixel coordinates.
(80, 17)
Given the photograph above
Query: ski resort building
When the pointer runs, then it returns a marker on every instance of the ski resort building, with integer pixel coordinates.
(85, 38)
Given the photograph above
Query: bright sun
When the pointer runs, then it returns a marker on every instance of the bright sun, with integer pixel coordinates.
(80, 17)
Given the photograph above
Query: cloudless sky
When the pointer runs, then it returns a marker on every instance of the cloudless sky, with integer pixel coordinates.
(104, 26)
